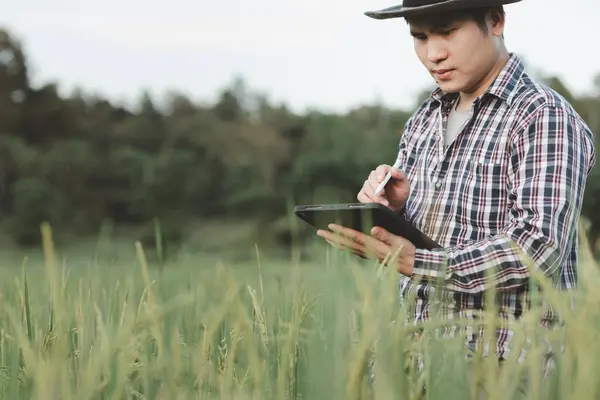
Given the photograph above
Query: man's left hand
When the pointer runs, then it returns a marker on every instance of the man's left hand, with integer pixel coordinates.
(381, 245)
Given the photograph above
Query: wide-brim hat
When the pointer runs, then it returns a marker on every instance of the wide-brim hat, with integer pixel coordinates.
(420, 7)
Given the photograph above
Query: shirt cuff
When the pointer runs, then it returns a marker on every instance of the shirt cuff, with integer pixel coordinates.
(431, 264)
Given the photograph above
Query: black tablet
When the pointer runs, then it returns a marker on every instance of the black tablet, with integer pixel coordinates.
(363, 217)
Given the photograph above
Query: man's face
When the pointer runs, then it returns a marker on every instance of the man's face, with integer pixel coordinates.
(458, 55)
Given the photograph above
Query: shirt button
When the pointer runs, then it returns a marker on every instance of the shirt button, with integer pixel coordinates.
(438, 185)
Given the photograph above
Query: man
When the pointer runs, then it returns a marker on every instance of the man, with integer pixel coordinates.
(493, 167)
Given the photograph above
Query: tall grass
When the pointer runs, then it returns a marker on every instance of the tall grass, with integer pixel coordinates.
(262, 330)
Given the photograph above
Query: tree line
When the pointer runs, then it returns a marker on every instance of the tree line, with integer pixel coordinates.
(80, 161)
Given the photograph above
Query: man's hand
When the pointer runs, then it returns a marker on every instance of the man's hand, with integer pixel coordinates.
(381, 245)
(395, 194)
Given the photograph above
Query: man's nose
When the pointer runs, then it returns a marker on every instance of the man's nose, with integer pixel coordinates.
(436, 51)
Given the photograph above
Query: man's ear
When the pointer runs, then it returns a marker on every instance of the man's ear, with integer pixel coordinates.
(496, 19)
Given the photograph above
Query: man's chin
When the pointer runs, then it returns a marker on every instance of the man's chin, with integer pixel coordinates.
(449, 87)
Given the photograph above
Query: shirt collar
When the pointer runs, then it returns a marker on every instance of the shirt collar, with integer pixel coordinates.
(503, 87)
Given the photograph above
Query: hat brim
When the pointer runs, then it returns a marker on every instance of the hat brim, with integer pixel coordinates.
(400, 11)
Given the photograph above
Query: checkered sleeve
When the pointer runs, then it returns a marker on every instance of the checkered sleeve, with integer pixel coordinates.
(402, 157)
(552, 154)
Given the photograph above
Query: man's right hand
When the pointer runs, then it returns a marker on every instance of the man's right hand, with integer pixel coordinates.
(395, 194)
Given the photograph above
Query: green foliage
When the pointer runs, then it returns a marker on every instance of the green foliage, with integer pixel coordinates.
(34, 200)
(81, 160)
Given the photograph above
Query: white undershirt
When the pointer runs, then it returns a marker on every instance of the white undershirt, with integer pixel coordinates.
(456, 120)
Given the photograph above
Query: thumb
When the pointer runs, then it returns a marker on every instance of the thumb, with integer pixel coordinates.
(398, 175)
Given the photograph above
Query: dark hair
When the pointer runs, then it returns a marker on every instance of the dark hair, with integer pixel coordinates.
(446, 18)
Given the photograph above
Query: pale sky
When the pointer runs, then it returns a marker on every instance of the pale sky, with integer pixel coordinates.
(307, 53)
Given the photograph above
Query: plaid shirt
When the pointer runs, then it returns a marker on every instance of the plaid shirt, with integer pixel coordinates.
(515, 175)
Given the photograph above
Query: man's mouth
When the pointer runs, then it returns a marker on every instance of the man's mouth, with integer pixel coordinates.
(443, 74)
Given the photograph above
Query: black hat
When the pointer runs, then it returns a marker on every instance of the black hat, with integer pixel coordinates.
(418, 7)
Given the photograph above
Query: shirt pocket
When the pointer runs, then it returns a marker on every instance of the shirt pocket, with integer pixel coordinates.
(483, 197)
(487, 174)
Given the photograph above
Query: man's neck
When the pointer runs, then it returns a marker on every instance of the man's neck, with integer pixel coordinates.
(466, 99)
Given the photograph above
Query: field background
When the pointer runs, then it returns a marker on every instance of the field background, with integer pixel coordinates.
(90, 326)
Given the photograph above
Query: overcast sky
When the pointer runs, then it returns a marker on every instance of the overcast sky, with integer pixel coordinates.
(308, 53)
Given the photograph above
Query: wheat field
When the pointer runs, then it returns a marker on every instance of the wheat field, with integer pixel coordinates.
(264, 329)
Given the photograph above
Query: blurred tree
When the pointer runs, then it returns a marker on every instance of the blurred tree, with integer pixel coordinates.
(14, 84)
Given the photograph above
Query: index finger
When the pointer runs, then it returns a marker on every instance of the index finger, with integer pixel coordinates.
(382, 171)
